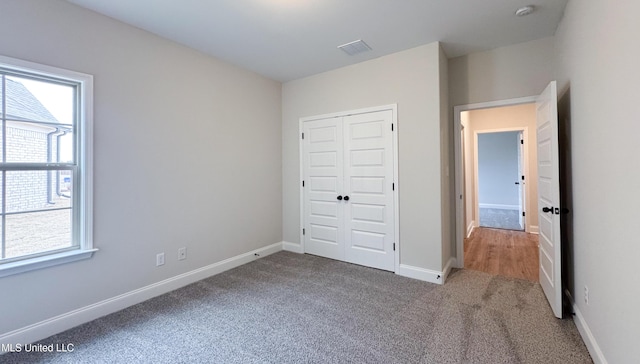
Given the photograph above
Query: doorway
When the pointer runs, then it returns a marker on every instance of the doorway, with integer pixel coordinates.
(500, 178)
(492, 135)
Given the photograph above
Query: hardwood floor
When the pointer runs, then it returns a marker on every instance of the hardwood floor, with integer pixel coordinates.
(502, 252)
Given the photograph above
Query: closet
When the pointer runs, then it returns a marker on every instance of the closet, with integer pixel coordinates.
(348, 204)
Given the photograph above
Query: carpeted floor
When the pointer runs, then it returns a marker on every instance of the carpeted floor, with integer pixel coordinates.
(291, 308)
(500, 219)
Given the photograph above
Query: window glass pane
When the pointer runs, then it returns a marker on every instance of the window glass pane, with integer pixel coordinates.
(2, 121)
(39, 121)
(37, 232)
(37, 190)
(64, 153)
(38, 100)
(33, 143)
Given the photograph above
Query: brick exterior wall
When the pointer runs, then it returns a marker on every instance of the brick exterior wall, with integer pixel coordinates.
(27, 190)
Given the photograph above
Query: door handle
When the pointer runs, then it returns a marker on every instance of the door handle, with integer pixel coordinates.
(339, 198)
(517, 183)
(547, 209)
(346, 198)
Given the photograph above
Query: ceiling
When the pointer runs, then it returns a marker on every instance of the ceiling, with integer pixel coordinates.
(290, 39)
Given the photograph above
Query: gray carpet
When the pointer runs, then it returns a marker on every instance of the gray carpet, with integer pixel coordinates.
(500, 219)
(291, 308)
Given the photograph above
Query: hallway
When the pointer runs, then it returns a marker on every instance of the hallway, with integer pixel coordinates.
(502, 252)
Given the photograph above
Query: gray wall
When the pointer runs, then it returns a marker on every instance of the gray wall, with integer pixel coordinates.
(498, 168)
(187, 153)
(598, 76)
(411, 79)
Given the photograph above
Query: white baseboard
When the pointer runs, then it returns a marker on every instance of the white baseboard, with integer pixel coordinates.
(498, 206)
(472, 225)
(447, 268)
(534, 229)
(587, 336)
(585, 332)
(292, 247)
(422, 274)
(57, 324)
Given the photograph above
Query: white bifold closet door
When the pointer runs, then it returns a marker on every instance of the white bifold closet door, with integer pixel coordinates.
(348, 194)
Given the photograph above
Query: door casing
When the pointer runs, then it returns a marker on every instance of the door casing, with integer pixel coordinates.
(459, 181)
(522, 171)
(525, 134)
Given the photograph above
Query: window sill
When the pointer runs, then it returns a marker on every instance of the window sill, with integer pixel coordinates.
(27, 265)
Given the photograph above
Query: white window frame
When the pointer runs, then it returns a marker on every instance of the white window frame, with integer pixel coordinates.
(83, 178)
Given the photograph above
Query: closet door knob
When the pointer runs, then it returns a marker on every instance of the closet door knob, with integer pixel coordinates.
(339, 198)
(346, 198)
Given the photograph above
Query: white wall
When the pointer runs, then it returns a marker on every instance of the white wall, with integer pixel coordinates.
(598, 54)
(187, 153)
(498, 169)
(411, 79)
(519, 70)
(447, 187)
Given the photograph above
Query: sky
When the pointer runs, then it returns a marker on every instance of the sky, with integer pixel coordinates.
(58, 99)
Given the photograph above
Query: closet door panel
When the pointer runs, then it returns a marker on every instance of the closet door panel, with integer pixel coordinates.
(368, 179)
(323, 176)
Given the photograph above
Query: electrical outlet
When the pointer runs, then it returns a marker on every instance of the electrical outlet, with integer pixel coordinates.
(159, 259)
(182, 253)
(586, 294)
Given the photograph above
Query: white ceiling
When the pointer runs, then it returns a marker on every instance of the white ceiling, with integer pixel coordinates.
(290, 39)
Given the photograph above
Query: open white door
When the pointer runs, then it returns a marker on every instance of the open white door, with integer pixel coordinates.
(549, 197)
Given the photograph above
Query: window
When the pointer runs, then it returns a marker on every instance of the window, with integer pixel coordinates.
(45, 166)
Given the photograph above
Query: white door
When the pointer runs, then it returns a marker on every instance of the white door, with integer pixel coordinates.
(368, 186)
(520, 180)
(323, 179)
(348, 198)
(549, 197)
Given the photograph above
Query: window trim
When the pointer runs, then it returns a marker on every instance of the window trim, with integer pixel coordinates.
(83, 205)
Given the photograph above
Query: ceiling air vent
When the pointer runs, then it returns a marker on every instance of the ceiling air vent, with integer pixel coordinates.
(355, 47)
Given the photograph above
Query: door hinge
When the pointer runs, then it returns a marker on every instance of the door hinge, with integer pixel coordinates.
(302, 135)
(393, 186)
(302, 183)
(394, 246)
(303, 231)
(521, 141)
(522, 213)
(391, 126)
(523, 178)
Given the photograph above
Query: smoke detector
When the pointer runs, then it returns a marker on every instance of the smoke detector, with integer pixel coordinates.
(355, 47)
(525, 10)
